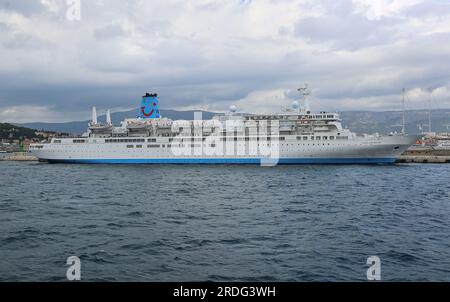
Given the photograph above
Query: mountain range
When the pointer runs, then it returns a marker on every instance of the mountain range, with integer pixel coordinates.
(382, 122)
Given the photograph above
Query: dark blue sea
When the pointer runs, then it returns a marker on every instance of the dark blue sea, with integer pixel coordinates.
(224, 223)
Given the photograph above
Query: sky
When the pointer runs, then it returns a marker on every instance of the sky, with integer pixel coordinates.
(57, 61)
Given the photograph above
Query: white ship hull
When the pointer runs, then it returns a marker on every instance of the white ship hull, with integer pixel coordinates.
(295, 136)
(382, 149)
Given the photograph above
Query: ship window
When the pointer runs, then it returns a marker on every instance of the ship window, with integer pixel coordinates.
(317, 138)
(152, 140)
(138, 146)
(282, 138)
(130, 146)
(312, 138)
(170, 139)
(305, 138)
(331, 137)
(78, 141)
(324, 138)
(152, 146)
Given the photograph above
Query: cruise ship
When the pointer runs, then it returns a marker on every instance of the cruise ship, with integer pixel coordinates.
(294, 136)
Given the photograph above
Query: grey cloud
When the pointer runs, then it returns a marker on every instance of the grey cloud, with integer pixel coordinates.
(24, 7)
(340, 53)
(109, 31)
(429, 8)
(351, 31)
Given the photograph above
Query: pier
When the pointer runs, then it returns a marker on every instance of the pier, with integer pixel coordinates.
(429, 156)
(20, 156)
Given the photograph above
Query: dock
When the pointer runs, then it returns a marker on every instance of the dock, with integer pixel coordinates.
(428, 156)
(20, 156)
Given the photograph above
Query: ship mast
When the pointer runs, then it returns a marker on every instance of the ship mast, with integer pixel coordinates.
(403, 113)
(108, 117)
(429, 111)
(94, 115)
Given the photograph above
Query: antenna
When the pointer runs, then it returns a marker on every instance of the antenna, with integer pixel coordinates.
(447, 126)
(304, 91)
(429, 110)
(403, 109)
(420, 126)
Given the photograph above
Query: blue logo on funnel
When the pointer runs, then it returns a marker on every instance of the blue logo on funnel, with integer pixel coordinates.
(149, 106)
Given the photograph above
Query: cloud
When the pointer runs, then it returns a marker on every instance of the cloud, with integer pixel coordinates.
(109, 31)
(211, 54)
(24, 7)
(25, 113)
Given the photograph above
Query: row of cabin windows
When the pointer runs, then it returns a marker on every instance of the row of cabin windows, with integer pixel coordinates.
(317, 138)
(168, 146)
(274, 117)
(281, 138)
(138, 140)
(199, 145)
(153, 140)
(148, 146)
(125, 140)
(37, 147)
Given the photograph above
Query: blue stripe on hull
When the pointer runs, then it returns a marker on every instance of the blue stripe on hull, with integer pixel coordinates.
(255, 161)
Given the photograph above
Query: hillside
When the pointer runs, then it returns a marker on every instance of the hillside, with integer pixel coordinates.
(9, 131)
(389, 121)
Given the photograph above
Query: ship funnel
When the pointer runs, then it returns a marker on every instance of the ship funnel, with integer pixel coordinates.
(108, 117)
(149, 106)
(94, 115)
